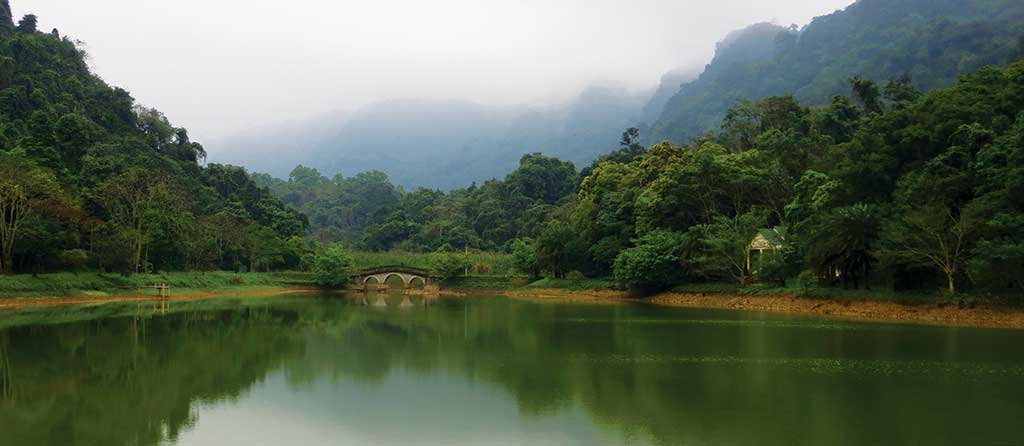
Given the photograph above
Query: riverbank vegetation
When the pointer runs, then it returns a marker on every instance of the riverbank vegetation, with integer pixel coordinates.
(886, 188)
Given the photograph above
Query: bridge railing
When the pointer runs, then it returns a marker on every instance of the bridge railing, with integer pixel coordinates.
(394, 269)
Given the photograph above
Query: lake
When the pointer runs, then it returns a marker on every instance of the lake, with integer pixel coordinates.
(478, 370)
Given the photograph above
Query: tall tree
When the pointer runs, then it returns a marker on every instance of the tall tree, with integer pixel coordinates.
(23, 186)
(6, 17)
(932, 236)
(28, 24)
(139, 202)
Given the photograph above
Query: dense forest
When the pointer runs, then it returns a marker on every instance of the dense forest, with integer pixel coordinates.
(89, 178)
(932, 41)
(885, 185)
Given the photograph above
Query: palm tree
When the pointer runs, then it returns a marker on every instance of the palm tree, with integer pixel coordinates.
(840, 245)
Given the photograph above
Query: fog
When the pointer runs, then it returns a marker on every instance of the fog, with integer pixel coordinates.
(223, 67)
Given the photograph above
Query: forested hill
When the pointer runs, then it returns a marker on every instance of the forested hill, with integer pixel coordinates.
(932, 41)
(89, 178)
(887, 186)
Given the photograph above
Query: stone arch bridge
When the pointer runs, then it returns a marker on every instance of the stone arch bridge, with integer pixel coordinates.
(379, 276)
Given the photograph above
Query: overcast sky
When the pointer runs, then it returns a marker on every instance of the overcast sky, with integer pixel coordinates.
(220, 67)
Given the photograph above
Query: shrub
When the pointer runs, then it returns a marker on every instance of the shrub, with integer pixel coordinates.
(524, 258)
(653, 263)
(333, 267)
(778, 266)
(451, 265)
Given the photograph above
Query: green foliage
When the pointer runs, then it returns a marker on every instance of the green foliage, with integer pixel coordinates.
(559, 250)
(842, 243)
(126, 185)
(655, 262)
(778, 266)
(26, 191)
(333, 267)
(451, 265)
(932, 41)
(524, 257)
(723, 245)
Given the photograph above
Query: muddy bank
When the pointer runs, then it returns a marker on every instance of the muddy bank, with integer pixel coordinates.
(875, 311)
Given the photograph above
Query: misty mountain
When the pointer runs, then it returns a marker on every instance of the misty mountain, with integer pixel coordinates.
(934, 41)
(440, 144)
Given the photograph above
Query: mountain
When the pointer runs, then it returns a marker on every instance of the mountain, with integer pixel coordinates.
(441, 144)
(670, 83)
(91, 179)
(934, 41)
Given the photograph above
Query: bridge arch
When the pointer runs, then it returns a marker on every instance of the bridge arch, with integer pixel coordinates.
(388, 279)
(381, 275)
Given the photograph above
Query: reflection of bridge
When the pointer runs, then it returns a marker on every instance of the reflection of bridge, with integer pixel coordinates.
(378, 276)
(381, 300)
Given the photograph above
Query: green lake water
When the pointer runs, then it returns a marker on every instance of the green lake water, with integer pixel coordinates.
(393, 370)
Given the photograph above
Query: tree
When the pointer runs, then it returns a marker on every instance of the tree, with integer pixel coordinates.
(559, 250)
(866, 92)
(999, 258)
(266, 248)
(6, 17)
(333, 267)
(542, 178)
(139, 202)
(931, 236)
(450, 265)
(28, 23)
(23, 188)
(724, 242)
(655, 262)
(842, 242)
(900, 91)
(524, 257)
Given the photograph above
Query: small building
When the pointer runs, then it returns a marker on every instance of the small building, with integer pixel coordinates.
(768, 239)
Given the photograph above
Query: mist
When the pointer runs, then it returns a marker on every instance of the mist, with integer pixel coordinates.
(232, 67)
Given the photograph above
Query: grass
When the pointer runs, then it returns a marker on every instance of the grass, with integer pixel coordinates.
(484, 263)
(69, 284)
(575, 284)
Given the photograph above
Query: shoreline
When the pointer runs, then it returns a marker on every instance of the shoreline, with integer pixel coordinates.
(982, 316)
(935, 314)
(38, 302)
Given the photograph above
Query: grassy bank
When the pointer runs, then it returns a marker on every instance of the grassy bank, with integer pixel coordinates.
(99, 284)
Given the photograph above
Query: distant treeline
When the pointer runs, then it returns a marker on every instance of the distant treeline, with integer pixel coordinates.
(884, 186)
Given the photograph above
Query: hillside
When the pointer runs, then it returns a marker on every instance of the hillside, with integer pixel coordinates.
(934, 41)
(91, 179)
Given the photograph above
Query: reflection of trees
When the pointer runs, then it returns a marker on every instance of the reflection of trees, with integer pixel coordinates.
(672, 383)
(131, 380)
(634, 369)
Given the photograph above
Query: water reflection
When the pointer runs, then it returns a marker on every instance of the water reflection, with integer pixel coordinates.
(408, 369)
